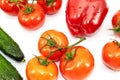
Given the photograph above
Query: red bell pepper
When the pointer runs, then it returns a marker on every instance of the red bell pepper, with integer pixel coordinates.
(84, 17)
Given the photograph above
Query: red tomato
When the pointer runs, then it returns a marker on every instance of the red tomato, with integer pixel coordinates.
(37, 71)
(116, 22)
(11, 6)
(116, 19)
(51, 40)
(79, 67)
(50, 6)
(32, 17)
(111, 55)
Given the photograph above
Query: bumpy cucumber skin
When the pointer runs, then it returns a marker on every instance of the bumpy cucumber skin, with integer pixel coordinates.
(10, 47)
(8, 71)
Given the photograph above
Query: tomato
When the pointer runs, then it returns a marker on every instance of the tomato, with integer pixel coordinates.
(116, 19)
(37, 71)
(31, 17)
(52, 41)
(12, 6)
(79, 67)
(116, 22)
(50, 6)
(111, 55)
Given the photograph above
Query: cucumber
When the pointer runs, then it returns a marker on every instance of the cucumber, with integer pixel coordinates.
(8, 71)
(9, 47)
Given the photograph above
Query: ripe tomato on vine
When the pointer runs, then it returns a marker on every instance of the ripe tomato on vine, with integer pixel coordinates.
(50, 6)
(12, 7)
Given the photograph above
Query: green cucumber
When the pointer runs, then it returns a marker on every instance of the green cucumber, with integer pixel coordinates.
(9, 47)
(8, 71)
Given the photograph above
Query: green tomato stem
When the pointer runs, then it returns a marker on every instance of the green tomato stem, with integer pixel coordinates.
(51, 43)
(116, 29)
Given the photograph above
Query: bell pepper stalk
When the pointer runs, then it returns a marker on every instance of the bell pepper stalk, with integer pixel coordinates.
(84, 17)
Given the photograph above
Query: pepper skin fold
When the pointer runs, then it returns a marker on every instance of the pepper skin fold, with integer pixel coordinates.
(84, 17)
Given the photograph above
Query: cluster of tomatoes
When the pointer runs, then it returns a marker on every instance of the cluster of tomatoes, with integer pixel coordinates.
(76, 62)
(31, 15)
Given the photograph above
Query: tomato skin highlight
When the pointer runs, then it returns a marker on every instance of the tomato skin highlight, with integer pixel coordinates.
(60, 39)
(33, 20)
(36, 71)
(111, 55)
(51, 9)
(79, 67)
(10, 7)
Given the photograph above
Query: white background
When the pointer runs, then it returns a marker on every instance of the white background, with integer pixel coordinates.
(28, 40)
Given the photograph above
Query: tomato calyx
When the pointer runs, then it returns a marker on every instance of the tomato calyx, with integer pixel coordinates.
(43, 62)
(28, 10)
(70, 56)
(50, 42)
(116, 29)
(50, 2)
